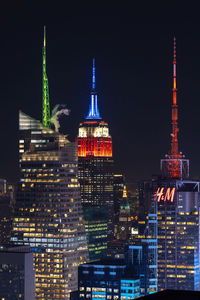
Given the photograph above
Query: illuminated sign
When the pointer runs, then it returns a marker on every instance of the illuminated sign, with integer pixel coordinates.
(163, 194)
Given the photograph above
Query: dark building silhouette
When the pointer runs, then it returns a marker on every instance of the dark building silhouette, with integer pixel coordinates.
(17, 276)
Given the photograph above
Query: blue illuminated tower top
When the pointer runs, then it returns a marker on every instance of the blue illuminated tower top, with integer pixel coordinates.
(93, 113)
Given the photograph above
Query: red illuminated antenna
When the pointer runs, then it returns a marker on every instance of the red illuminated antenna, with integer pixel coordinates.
(174, 134)
(174, 165)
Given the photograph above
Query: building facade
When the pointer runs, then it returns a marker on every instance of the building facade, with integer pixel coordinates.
(6, 210)
(108, 279)
(178, 234)
(122, 230)
(48, 214)
(96, 228)
(118, 187)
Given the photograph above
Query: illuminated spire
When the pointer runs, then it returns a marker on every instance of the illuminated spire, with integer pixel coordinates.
(93, 75)
(174, 165)
(124, 192)
(93, 113)
(45, 89)
(174, 134)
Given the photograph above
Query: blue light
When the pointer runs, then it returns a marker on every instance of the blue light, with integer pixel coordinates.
(93, 113)
(35, 250)
(93, 75)
(99, 272)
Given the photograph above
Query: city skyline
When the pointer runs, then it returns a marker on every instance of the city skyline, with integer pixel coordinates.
(100, 166)
(135, 91)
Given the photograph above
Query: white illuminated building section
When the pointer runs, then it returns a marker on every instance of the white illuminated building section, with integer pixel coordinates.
(100, 131)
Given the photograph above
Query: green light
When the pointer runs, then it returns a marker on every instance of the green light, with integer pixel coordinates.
(45, 90)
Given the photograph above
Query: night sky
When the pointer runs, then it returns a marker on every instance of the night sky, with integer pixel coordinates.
(133, 48)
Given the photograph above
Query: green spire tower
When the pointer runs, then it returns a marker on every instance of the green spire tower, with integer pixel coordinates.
(45, 89)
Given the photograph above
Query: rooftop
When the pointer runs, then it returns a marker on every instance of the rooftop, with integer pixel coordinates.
(173, 295)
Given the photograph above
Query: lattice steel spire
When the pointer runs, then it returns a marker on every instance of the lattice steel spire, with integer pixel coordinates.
(175, 165)
(174, 134)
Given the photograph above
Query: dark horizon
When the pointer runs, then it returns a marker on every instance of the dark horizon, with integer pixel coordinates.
(133, 53)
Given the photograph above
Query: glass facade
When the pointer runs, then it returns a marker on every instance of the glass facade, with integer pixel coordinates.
(48, 214)
(178, 238)
(96, 227)
(178, 230)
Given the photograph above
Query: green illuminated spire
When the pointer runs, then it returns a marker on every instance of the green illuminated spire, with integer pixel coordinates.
(45, 89)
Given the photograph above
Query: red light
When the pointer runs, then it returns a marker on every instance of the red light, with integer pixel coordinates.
(94, 146)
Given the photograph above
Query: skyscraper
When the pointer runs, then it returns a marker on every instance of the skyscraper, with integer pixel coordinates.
(177, 204)
(48, 215)
(95, 162)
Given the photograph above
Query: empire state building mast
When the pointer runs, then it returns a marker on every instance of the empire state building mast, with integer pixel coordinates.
(174, 165)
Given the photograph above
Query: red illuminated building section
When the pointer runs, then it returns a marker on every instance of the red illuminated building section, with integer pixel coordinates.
(175, 166)
(94, 139)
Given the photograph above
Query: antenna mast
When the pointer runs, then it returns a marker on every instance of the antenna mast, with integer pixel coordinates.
(175, 165)
(174, 134)
(45, 89)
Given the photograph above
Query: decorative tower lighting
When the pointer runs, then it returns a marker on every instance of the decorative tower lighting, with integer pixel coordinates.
(174, 165)
(45, 89)
(93, 113)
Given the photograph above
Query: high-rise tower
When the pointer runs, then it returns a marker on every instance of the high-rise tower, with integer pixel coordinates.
(48, 214)
(45, 88)
(176, 202)
(175, 165)
(95, 159)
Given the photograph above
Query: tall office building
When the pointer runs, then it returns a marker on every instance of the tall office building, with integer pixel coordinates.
(178, 201)
(95, 162)
(48, 214)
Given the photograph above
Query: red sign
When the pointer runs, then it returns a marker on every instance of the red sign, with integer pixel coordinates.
(165, 195)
